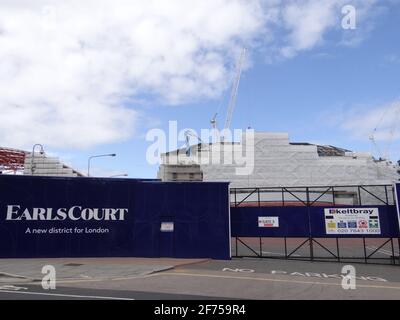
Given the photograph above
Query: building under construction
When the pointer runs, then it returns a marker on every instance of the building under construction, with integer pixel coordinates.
(15, 161)
(277, 162)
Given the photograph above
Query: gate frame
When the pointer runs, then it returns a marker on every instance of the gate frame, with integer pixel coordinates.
(394, 259)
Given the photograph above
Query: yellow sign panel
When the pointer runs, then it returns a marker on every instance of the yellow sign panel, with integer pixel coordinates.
(331, 225)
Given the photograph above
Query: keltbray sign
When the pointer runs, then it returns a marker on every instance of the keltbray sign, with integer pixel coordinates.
(352, 221)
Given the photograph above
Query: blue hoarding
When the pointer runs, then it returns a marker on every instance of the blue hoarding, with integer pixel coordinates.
(397, 195)
(302, 221)
(293, 221)
(94, 217)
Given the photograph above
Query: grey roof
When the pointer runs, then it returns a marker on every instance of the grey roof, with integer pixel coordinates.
(325, 151)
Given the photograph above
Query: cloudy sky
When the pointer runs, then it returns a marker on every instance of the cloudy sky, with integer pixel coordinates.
(91, 77)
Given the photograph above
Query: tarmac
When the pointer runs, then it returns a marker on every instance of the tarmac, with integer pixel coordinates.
(181, 279)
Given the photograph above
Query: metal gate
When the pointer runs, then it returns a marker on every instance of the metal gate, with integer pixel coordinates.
(301, 232)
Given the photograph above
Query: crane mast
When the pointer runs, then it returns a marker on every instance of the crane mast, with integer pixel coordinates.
(234, 91)
(391, 133)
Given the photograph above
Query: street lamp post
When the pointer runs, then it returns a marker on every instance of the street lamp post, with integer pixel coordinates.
(33, 155)
(98, 156)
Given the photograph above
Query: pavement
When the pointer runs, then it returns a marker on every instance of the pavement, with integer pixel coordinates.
(174, 279)
(30, 270)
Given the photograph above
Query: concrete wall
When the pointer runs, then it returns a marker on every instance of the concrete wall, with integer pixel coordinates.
(41, 165)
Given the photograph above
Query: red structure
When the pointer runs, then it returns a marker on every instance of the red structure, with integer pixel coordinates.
(12, 159)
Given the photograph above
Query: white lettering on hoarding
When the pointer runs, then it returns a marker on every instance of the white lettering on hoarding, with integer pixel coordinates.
(75, 213)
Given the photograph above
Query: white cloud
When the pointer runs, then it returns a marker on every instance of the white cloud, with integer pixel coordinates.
(307, 22)
(367, 13)
(379, 124)
(69, 70)
(374, 126)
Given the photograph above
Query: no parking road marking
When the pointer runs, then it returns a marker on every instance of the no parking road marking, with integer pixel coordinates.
(326, 275)
(12, 288)
(259, 279)
(238, 270)
(321, 275)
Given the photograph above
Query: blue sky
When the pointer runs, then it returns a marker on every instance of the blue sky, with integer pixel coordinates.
(332, 89)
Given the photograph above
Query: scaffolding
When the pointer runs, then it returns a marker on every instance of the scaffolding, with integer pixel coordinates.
(12, 160)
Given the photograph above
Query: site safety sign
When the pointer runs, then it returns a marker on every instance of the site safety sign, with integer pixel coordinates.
(352, 221)
(268, 222)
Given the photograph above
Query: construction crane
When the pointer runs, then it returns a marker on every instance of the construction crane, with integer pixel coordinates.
(234, 91)
(392, 131)
(373, 141)
(213, 121)
(235, 87)
(188, 148)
